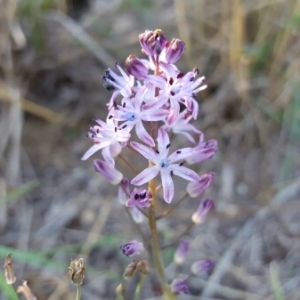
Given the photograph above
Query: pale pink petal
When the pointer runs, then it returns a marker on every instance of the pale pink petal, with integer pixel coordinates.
(109, 172)
(144, 150)
(143, 135)
(107, 155)
(145, 175)
(168, 186)
(163, 142)
(180, 154)
(115, 149)
(185, 173)
(91, 151)
(154, 114)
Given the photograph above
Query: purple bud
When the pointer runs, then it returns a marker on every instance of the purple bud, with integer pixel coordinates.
(109, 172)
(181, 252)
(194, 189)
(202, 267)
(179, 286)
(136, 67)
(205, 206)
(152, 42)
(203, 151)
(174, 50)
(140, 198)
(124, 191)
(132, 248)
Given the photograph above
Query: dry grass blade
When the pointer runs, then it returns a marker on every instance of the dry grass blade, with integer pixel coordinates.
(30, 107)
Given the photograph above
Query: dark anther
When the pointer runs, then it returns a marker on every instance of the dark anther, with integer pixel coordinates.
(110, 116)
(181, 164)
(172, 173)
(172, 93)
(171, 81)
(168, 146)
(180, 75)
(116, 129)
(136, 196)
(162, 165)
(178, 151)
(157, 151)
(98, 130)
(124, 126)
(124, 104)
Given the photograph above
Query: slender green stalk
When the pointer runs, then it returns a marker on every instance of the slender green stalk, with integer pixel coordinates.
(78, 293)
(156, 251)
(139, 287)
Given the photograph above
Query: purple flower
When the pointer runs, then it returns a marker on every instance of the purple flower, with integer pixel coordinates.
(123, 84)
(106, 136)
(124, 191)
(204, 150)
(132, 248)
(133, 113)
(202, 267)
(181, 252)
(194, 189)
(140, 198)
(163, 164)
(109, 172)
(179, 286)
(177, 88)
(181, 126)
(136, 67)
(173, 51)
(152, 42)
(205, 206)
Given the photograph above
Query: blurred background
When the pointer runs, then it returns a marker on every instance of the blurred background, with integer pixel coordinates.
(54, 207)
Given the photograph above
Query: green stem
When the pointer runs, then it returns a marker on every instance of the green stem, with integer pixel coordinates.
(78, 293)
(156, 251)
(139, 287)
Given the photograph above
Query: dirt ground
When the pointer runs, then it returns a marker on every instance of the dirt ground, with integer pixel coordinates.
(55, 207)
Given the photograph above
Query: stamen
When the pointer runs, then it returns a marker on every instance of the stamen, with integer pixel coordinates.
(110, 116)
(168, 146)
(178, 152)
(171, 81)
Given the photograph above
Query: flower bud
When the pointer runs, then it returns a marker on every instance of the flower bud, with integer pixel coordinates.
(136, 67)
(179, 286)
(76, 271)
(140, 198)
(25, 290)
(109, 172)
(8, 270)
(202, 267)
(131, 270)
(152, 42)
(205, 206)
(144, 266)
(181, 252)
(132, 248)
(174, 50)
(194, 189)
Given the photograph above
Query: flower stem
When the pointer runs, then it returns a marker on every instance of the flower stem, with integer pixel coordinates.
(139, 287)
(78, 293)
(156, 251)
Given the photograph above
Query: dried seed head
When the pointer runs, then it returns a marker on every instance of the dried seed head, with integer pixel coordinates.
(131, 269)
(25, 291)
(121, 289)
(76, 271)
(8, 270)
(144, 266)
